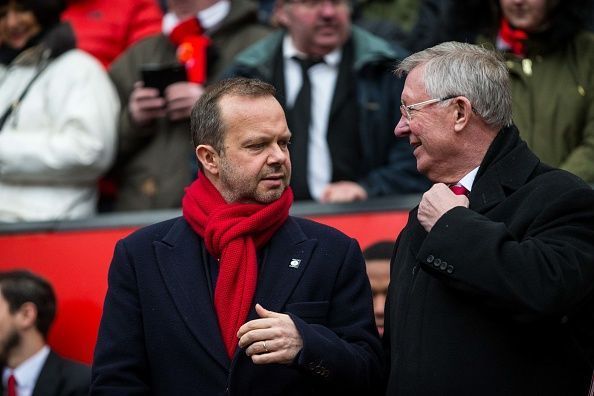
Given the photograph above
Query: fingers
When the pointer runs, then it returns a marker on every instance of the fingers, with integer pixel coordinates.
(145, 104)
(259, 342)
(264, 313)
(271, 339)
(343, 191)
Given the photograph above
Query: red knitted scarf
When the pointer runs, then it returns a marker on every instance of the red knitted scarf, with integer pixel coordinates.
(233, 232)
(514, 38)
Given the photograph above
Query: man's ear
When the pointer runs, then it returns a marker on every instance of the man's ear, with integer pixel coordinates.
(208, 157)
(27, 315)
(279, 13)
(463, 112)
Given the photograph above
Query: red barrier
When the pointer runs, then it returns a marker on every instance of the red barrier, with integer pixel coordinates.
(76, 263)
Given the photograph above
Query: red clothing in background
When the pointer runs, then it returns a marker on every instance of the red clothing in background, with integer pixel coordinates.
(106, 28)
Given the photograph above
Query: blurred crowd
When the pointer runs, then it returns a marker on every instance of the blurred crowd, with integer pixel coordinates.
(95, 100)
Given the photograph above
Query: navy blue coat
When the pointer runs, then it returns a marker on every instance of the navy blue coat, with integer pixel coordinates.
(159, 333)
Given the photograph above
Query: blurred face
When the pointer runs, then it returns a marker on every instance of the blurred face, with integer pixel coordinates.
(317, 27)
(378, 272)
(9, 335)
(17, 26)
(430, 132)
(254, 166)
(529, 15)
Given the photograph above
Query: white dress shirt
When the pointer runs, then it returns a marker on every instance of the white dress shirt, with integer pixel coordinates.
(209, 18)
(468, 180)
(322, 77)
(26, 373)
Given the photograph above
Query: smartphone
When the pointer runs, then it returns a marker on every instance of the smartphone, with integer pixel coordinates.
(161, 76)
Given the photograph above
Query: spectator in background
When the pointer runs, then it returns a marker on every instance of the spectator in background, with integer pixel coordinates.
(105, 28)
(347, 151)
(392, 20)
(550, 57)
(28, 365)
(377, 261)
(154, 127)
(58, 113)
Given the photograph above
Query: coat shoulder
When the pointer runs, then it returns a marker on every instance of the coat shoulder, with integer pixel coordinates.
(321, 232)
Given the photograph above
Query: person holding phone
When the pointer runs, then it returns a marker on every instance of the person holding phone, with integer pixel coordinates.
(153, 125)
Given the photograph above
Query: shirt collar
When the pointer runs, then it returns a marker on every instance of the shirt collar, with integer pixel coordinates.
(468, 180)
(289, 51)
(209, 17)
(26, 373)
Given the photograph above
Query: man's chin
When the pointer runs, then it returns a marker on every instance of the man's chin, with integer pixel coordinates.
(270, 195)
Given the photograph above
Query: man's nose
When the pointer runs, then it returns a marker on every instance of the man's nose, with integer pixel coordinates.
(402, 129)
(277, 155)
(328, 8)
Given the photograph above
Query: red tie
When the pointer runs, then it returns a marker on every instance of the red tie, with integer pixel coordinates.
(459, 190)
(12, 386)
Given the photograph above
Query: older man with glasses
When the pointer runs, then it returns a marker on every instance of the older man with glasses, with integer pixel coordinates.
(494, 271)
(341, 100)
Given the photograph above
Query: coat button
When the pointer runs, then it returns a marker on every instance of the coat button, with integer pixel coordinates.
(450, 269)
(443, 265)
(430, 258)
(436, 262)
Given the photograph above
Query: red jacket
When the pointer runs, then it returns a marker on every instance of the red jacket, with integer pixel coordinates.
(105, 30)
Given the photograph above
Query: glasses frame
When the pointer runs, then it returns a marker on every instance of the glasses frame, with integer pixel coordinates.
(405, 110)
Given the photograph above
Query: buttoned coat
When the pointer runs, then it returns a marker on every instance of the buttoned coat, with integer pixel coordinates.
(487, 301)
(159, 332)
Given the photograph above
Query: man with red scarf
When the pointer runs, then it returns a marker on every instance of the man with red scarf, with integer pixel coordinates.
(236, 296)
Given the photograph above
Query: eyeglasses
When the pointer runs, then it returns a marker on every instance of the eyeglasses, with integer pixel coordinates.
(318, 3)
(405, 110)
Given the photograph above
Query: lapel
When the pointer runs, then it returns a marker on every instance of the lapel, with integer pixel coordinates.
(49, 378)
(179, 257)
(278, 277)
(507, 165)
(344, 88)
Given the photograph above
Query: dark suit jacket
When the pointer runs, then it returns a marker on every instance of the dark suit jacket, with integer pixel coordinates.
(61, 377)
(480, 305)
(159, 332)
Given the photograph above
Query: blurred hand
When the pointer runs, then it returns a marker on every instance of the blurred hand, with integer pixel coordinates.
(343, 191)
(180, 98)
(277, 330)
(436, 202)
(145, 104)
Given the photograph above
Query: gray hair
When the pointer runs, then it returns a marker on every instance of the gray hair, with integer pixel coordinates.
(479, 74)
(206, 124)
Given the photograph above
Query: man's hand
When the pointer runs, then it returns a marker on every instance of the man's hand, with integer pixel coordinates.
(145, 104)
(343, 191)
(436, 202)
(271, 339)
(180, 97)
